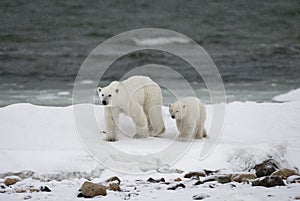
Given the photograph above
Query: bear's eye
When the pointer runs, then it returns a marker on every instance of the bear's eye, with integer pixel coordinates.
(177, 111)
(102, 94)
(109, 95)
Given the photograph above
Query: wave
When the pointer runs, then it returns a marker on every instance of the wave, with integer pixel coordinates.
(160, 41)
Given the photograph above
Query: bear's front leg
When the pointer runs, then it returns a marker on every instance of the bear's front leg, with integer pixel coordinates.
(186, 133)
(139, 118)
(111, 121)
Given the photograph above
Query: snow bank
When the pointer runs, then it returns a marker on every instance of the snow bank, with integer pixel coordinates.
(44, 140)
(293, 95)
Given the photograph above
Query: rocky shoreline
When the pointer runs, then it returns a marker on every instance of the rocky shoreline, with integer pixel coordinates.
(266, 174)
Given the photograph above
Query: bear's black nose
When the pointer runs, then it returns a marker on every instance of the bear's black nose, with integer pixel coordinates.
(104, 102)
(173, 116)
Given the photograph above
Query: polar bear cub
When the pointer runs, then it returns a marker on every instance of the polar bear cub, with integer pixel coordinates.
(140, 98)
(190, 115)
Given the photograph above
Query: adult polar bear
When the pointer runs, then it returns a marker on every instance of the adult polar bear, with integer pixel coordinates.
(140, 98)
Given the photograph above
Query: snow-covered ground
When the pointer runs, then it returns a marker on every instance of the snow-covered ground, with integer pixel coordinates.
(45, 140)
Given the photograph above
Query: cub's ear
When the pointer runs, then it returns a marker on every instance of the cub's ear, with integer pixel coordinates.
(117, 90)
(184, 106)
(170, 104)
(99, 89)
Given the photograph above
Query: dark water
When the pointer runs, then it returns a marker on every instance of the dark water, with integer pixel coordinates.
(255, 44)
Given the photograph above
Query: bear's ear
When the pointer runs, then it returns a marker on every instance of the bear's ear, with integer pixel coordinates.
(170, 104)
(99, 89)
(117, 90)
(184, 106)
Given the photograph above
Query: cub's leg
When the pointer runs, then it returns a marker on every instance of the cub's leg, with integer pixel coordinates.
(187, 132)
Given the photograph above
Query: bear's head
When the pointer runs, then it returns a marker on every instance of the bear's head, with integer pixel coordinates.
(177, 110)
(109, 95)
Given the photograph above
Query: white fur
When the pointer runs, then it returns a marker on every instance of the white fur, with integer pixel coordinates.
(138, 97)
(190, 115)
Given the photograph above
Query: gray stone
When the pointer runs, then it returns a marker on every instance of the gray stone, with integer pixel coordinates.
(194, 174)
(156, 180)
(45, 189)
(284, 173)
(89, 189)
(293, 179)
(11, 181)
(268, 181)
(223, 179)
(114, 187)
(244, 177)
(266, 168)
(114, 179)
(176, 186)
(200, 196)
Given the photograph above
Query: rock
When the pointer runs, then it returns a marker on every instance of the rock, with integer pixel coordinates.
(200, 196)
(113, 179)
(198, 183)
(219, 178)
(45, 189)
(80, 195)
(266, 168)
(130, 195)
(114, 187)
(194, 174)
(177, 179)
(11, 180)
(209, 179)
(223, 179)
(268, 181)
(89, 189)
(27, 197)
(31, 189)
(284, 173)
(244, 177)
(20, 190)
(176, 186)
(23, 175)
(211, 172)
(155, 180)
(293, 179)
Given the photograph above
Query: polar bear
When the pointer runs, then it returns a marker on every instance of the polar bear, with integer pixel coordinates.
(190, 115)
(140, 98)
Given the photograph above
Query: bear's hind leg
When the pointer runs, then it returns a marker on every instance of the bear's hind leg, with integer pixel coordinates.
(204, 133)
(139, 118)
(199, 131)
(156, 120)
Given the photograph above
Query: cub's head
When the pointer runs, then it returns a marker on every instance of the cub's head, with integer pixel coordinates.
(108, 94)
(177, 110)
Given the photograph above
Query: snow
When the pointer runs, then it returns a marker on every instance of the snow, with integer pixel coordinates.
(293, 95)
(44, 140)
